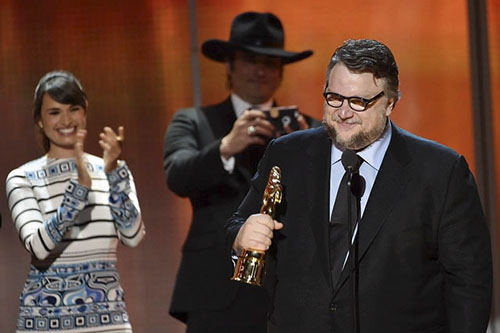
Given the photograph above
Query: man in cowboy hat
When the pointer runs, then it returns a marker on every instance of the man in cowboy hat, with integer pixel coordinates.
(210, 155)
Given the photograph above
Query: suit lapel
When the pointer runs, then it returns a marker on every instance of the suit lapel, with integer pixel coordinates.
(389, 184)
(221, 117)
(317, 179)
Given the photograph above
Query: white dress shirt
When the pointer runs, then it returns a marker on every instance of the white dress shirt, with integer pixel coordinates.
(373, 155)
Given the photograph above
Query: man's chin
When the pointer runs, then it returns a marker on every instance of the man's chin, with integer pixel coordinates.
(341, 140)
(352, 142)
(346, 144)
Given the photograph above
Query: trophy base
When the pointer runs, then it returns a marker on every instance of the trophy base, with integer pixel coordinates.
(249, 267)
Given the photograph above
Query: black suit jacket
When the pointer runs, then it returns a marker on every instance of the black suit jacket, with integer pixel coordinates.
(194, 169)
(424, 247)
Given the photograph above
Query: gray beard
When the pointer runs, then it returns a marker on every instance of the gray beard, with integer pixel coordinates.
(360, 140)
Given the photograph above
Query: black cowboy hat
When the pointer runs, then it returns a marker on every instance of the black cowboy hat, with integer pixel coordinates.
(260, 33)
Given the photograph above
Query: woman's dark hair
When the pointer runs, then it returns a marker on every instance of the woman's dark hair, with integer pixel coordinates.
(63, 87)
(368, 56)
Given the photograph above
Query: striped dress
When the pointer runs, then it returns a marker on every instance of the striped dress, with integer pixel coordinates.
(72, 233)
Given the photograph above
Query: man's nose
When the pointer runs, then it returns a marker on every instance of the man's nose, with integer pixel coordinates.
(261, 69)
(345, 111)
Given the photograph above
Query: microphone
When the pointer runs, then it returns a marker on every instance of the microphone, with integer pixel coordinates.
(351, 161)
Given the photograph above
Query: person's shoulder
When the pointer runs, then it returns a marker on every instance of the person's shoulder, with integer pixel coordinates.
(307, 136)
(184, 112)
(422, 146)
(28, 167)
(225, 104)
(193, 113)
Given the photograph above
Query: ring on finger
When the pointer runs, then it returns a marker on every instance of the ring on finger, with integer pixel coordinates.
(251, 130)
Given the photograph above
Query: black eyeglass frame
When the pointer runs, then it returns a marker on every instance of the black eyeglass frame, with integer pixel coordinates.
(366, 102)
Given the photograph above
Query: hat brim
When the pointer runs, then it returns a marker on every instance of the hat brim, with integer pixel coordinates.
(219, 50)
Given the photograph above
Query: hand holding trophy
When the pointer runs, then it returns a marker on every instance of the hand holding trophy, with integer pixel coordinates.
(250, 265)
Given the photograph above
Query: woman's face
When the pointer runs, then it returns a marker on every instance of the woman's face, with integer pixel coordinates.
(60, 123)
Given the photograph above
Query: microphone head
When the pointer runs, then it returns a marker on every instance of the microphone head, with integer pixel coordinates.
(350, 160)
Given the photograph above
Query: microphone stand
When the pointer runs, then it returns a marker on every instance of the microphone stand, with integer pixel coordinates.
(353, 250)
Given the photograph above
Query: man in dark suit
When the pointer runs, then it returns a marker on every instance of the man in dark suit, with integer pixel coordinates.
(210, 155)
(423, 248)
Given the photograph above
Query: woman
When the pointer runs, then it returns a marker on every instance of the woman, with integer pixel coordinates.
(70, 208)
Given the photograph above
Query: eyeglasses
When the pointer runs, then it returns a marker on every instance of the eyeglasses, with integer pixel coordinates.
(356, 103)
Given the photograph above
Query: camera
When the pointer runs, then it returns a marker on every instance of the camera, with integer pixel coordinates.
(281, 116)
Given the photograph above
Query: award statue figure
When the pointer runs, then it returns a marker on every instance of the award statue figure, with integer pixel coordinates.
(250, 263)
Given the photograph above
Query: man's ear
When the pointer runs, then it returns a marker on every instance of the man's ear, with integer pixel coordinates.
(40, 124)
(390, 107)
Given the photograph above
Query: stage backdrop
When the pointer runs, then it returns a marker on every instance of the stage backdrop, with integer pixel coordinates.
(493, 13)
(134, 59)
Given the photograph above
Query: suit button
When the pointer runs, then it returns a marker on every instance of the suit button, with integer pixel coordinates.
(333, 307)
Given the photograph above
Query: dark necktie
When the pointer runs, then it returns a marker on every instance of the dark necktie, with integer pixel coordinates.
(339, 224)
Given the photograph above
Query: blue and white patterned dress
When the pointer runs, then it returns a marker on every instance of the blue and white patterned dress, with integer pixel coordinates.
(72, 233)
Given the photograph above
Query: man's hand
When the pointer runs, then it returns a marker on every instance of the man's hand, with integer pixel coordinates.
(256, 233)
(247, 130)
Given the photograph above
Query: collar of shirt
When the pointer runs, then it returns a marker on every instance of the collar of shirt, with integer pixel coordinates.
(240, 105)
(373, 155)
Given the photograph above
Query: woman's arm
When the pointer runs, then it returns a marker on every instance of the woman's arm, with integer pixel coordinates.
(123, 200)
(125, 206)
(41, 236)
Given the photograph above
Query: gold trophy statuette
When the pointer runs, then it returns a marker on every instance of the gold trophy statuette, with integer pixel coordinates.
(250, 263)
